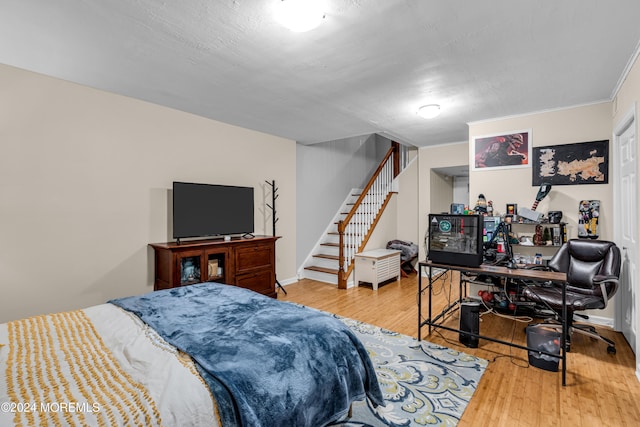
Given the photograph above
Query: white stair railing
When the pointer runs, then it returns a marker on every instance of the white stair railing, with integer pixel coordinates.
(357, 226)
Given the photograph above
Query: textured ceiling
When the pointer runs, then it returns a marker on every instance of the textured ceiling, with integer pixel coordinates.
(365, 70)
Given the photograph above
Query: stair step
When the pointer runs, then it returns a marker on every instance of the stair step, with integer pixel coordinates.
(335, 245)
(326, 256)
(321, 276)
(364, 202)
(332, 233)
(322, 269)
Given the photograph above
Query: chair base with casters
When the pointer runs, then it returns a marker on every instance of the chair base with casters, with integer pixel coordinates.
(592, 268)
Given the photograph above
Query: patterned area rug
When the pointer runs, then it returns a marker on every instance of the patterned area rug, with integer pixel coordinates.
(423, 384)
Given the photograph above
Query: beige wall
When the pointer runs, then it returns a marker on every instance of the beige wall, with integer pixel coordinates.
(441, 192)
(628, 95)
(435, 157)
(84, 185)
(580, 124)
(407, 209)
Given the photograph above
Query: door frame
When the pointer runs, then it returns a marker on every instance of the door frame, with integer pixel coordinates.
(629, 119)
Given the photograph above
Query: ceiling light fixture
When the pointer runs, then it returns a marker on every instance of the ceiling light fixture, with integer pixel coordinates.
(429, 111)
(300, 15)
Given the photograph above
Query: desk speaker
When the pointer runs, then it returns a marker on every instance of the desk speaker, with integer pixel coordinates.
(469, 322)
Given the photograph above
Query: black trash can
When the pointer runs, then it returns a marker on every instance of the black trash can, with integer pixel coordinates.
(543, 338)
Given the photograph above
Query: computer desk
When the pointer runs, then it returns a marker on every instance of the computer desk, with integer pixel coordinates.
(497, 271)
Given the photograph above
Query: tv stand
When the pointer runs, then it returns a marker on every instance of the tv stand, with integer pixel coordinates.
(248, 263)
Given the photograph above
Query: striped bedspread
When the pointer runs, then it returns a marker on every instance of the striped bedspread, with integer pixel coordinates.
(99, 366)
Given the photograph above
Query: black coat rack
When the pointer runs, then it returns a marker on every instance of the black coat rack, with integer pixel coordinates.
(274, 217)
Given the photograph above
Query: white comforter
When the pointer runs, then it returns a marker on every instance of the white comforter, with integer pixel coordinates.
(100, 366)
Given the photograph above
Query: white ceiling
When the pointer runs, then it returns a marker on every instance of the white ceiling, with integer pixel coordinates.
(365, 70)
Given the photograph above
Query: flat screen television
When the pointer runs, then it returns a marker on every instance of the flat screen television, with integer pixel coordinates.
(204, 210)
(456, 239)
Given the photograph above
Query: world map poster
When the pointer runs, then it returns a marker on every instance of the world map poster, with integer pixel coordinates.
(570, 164)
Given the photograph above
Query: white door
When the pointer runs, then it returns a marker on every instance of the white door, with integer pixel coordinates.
(626, 156)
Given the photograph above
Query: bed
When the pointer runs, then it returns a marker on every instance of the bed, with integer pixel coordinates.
(203, 355)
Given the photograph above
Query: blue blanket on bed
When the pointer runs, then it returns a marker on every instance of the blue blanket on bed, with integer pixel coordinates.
(269, 363)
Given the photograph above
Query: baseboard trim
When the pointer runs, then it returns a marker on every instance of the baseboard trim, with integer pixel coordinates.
(595, 320)
(289, 281)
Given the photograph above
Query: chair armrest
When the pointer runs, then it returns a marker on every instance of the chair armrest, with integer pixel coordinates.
(602, 281)
(598, 279)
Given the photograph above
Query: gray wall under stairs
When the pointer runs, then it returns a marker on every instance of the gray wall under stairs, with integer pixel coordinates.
(325, 174)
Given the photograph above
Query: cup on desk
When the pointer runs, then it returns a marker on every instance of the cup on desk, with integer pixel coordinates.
(525, 259)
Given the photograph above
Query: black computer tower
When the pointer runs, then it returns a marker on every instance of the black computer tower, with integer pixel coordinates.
(455, 239)
(469, 322)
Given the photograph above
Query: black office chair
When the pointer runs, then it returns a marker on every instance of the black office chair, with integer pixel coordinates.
(593, 270)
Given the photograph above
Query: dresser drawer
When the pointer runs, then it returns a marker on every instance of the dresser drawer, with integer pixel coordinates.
(255, 257)
(262, 281)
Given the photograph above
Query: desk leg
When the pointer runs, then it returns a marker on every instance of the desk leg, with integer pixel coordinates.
(419, 301)
(430, 295)
(420, 290)
(563, 339)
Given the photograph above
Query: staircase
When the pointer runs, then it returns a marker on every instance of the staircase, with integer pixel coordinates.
(347, 235)
(324, 263)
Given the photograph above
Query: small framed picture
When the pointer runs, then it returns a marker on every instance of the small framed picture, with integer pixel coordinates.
(512, 208)
(457, 208)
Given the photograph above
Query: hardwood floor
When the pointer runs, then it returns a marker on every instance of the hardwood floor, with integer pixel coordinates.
(601, 389)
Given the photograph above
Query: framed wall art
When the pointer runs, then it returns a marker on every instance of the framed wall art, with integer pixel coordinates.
(506, 150)
(571, 164)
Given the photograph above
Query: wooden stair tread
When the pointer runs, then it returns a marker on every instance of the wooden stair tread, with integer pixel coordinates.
(335, 245)
(362, 203)
(322, 269)
(325, 256)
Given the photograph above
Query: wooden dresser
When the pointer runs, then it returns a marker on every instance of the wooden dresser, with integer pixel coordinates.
(246, 262)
